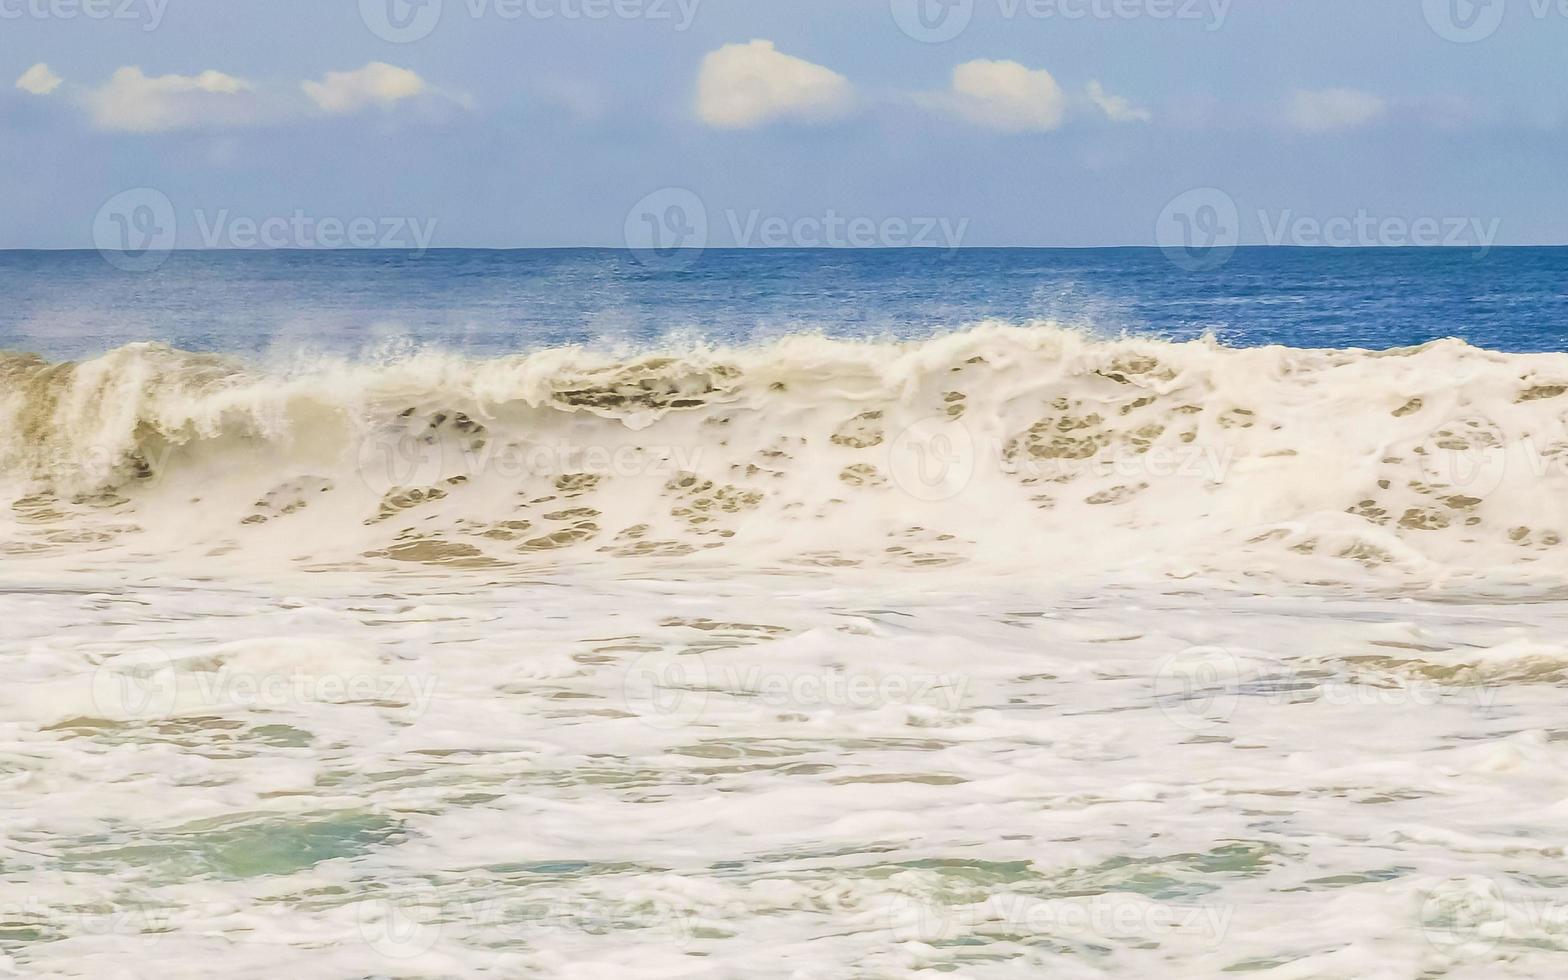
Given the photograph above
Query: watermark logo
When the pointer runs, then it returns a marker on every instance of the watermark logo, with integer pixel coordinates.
(1470, 455)
(935, 21)
(915, 920)
(670, 691)
(834, 230)
(409, 922)
(932, 21)
(933, 460)
(400, 21)
(150, 12)
(1473, 914)
(1106, 917)
(441, 447)
(1207, 462)
(98, 464)
(1198, 687)
(1199, 229)
(667, 230)
(1366, 230)
(1202, 687)
(136, 685)
(1469, 914)
(300, 229)
(135, 230)
(1464, 21)
(1475, 457)
(122, 920)
(392, 458)
(665, 690)
(403, 924)
(937, 458)
(407, 695)
(143, 685)
(405, 21)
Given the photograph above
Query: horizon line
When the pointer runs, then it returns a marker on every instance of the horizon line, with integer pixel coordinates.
(814, 248)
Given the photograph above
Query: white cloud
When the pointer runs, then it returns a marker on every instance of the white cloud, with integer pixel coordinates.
(1116, 108)
(378, 83)
(38, 80)
(132, 101)
(745, 85)
(1323, 110)
(1006, 95)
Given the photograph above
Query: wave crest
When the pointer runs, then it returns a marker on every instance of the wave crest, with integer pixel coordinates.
(1022, 448)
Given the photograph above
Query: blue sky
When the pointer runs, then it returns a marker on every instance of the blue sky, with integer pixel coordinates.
(1039, 122)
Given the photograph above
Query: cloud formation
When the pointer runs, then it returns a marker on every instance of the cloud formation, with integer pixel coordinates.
(745, 85)
(139, 103)
(378, 83)
(1116, 108)
(1330, 109)
(1007, 96)
(38, 80)
(135, 102)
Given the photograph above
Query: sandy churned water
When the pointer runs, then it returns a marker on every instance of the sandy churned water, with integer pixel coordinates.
(1008, 653)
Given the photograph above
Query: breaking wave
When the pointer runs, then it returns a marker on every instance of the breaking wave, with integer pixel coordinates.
(1030, 449)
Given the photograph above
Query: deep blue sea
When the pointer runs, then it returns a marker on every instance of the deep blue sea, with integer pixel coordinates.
(76, 303)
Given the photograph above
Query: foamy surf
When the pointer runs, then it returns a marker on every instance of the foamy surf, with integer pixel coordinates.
(999, 449)
(1011, 652)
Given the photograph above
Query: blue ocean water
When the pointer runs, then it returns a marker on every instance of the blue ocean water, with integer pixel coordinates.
(76, 303)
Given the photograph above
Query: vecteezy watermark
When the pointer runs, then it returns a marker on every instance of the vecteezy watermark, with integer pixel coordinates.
(1198, 687)
(1202, 687)
(137, 229)
(1464, 21)
(1471, 915)
(1120, 917)
(753, 229)
(148, 12)
(935, 21)
(936, 458)
(1364, 229)
(405, 21)
(146, 685)
(1467, 458)
(1199, 229)
(665, 690)
(137, 684)
(221, 229)
(121, 920)
(1469, 21)
(408, 695)
(420, 455)
(1472, 456)
(409, 921)
(117, 466)
(670, 691)
(668, 229)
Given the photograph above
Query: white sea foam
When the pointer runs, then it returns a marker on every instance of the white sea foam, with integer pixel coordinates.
(1012, 652)
(998, 448)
